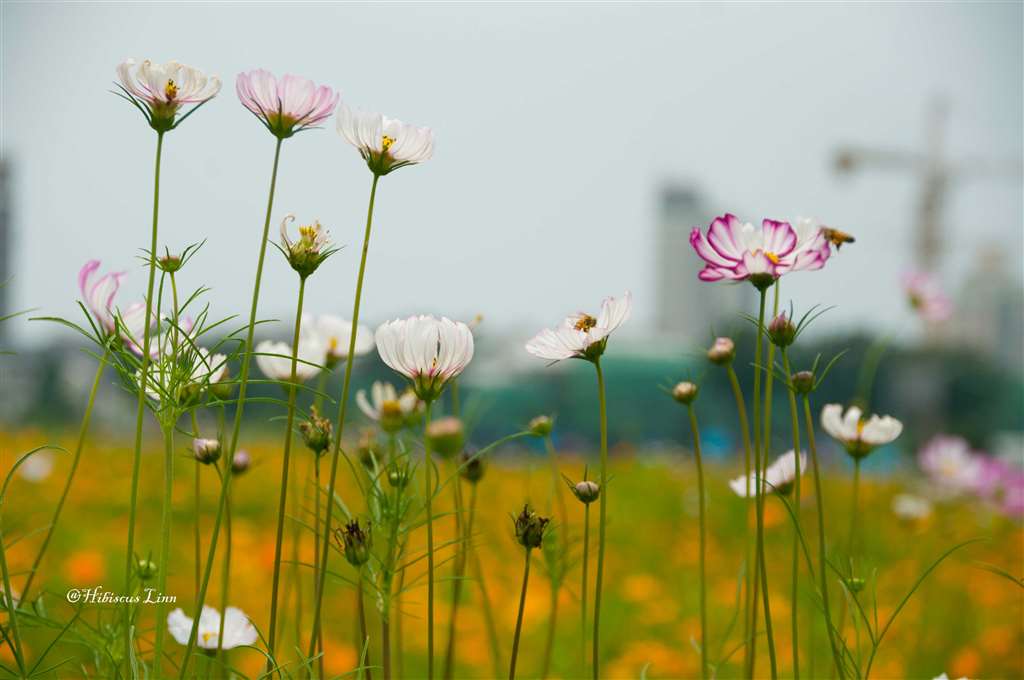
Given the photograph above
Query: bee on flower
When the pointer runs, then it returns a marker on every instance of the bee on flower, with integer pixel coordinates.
(286, 106)
(582, 336)
(386, 144)
(159, 91)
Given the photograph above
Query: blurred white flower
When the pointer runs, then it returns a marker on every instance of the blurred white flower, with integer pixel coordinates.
(385, 144)
(238, 629)
(779, 476)
(911, 508)
(386, 407)
(859, 435)
(37, 468)
(581, 336)
(333, 333)
(426, 350)
(279, 366)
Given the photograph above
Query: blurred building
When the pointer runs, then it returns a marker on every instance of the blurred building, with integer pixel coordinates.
(989, 316)
(686, 309)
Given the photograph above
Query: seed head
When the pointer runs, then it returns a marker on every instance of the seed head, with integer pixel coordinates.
(355, 542)
(530, 528)
(316, 432)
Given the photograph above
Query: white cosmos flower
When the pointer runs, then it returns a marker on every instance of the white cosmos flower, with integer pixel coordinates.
(38, 467)
(384, 401)
(581, 336)
(910, 507)
(162, 89)
(426, 350)
(858, 434)
(280, 367)
(778, 478)
(333, 334)
(209, 368)
(238, 629)
(385, 144)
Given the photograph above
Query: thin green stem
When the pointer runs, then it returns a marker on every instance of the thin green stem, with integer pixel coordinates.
(7, 596)
(82, 432)
(459, 572)
(364, 639)
(385, 646)
(766, 443)
(141, 403)
(485, 600)
(854, 509)
(794, 417)
(225, 581)
(602, 521)
(342, 410)
(285, 469)
(759, 490)
(243, 383)
(428, 494)
(584, 580)
(519, 617)
(705, 670)
(316, 556)
(557, 497)
(823, 564)
(165, 546)
(195, 509)
(748, 571)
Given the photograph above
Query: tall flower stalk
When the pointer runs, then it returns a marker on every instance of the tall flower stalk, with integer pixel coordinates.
(794, 605)
(386, 144)
(530, 529)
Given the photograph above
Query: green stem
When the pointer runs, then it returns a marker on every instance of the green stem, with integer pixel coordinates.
(195, 509)
(583, 588)
(82, 431)
(165, 546)
(342, 410)
(603, 501)
(243, 383)
(485, 600)
(459, 572)
(795, 426)
(765, 448)
(519, 618)
(225, 581)
(141, 404)
(316, 559)
(285, 469)
(364, 640)
(704, 667)
(12, 609)
(854, 508)
(823, 564)
(759, 490)
(748, 571)
(428, 492)
(556, 581)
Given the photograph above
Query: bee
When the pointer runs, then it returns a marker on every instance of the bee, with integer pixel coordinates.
(836, 237)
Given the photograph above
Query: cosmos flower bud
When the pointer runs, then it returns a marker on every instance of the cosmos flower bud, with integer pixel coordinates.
(472, 467)
(803, 381)
(541, 426)
(169, 263)
(685, 392)
(446, 436)
(722, 351)
(530, 528)
(316, 432)
(392, 417)
(146, 569)
(241, 462)
(855, 584)
(206, 451)
(311, 248)
(398, 475)
(781, 331)
(586, 491)
(367, 448)
(355, 542)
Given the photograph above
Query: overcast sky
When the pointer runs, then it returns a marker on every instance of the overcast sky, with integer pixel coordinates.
(555, 126)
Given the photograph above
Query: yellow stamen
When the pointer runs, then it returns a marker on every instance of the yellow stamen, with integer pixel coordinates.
(772, 256)
(171, 90)
(585, 323)
(386, 142)
(308, 231)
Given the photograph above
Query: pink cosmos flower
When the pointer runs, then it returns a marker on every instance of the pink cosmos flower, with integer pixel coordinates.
(927, 297)
(98, 294)
(285, 106)
(951, 465)
(160, 90)
(737, 251)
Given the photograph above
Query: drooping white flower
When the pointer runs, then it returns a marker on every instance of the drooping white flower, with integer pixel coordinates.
(911, 508)
(427, 351)
(386, 406)
(858, 434)
(778, 478)
(333, 334)
(385, 143)
(238, 629)
(582, 336)
(274, 359)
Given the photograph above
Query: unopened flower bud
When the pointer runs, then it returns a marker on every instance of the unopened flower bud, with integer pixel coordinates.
(146, 569)
(586, 491)
(206, 451)
(392, 418)
(530, 528)
(241, 462)
(367, 448)
(355, 542)
(316, 432)
(311, 248)
(722, 351)
(446, 436)
(781, 331)
(855, 584)
(685, 392)
(803, 381)
(169, 263)
(398, 475)
(541, 426)
(472, 467)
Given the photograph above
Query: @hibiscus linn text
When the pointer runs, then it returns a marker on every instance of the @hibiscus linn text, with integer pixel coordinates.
(98, 595)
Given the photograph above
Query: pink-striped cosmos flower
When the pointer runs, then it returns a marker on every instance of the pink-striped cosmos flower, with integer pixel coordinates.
(285, 106)
(385, 144)
(858, 434)
(160, 90)
(738, 251)
(581, 336)
(428, 351)
(98, 294)
(926, 296)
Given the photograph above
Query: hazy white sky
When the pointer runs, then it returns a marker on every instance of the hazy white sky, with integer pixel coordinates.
(555, 126)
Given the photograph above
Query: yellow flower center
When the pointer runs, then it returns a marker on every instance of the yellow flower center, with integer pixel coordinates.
(386, 142)
(171, 90)
(308, 231)
(206, 636)
(771, 256)
(332, 345)
(585, 323)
